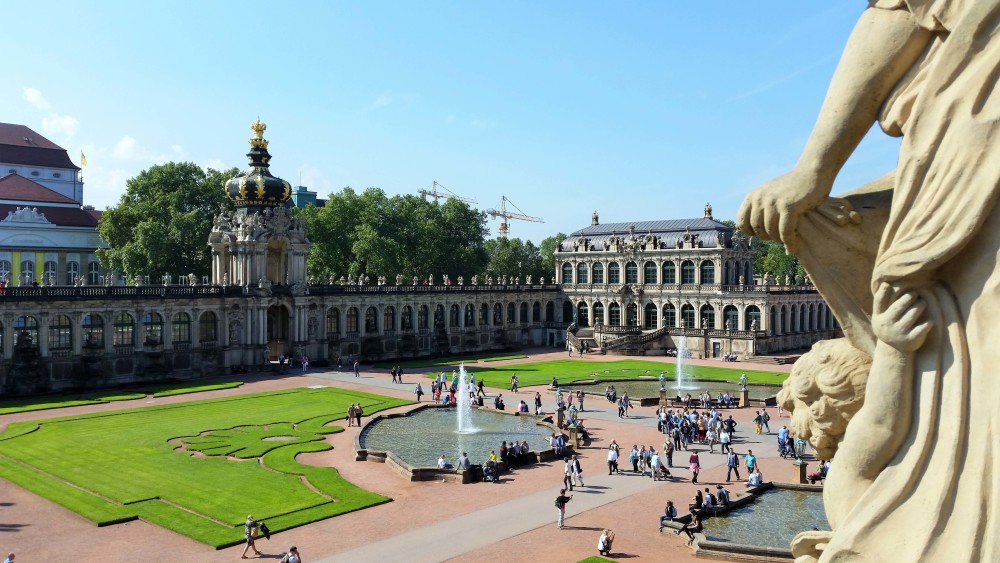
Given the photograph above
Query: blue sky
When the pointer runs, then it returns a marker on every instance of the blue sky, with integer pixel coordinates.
(639, 110)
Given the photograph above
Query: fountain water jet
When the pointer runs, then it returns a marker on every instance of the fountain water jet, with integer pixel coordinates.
(464, 424)
(682, 354)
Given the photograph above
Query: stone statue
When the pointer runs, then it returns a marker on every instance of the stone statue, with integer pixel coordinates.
(743, 381)
(907, 263)
(527, 280)
(663, 381)
(461, 280)
(475, 279)
(225, 278)
(541, 280)
(571, 413)
(342, 281)
(743, 280)
(753, 325)
(262, 283)
(399, 279)
(517, 280)
(559, 399)
(416, 280)
(430, 279)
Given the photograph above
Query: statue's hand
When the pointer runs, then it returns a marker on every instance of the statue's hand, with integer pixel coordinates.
(772, 210)
(899, 318)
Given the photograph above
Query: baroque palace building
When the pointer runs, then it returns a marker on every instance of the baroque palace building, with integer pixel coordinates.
(630, 288)
(256, 305)
(642, 287)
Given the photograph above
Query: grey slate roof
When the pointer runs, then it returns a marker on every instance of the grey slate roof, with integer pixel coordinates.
(669, 232)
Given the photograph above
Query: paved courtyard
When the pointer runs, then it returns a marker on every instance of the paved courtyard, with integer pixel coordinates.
(427, 521)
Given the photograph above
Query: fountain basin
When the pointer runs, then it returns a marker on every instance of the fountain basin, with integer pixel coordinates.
(412, 442)
(650, 388)
(760, 523)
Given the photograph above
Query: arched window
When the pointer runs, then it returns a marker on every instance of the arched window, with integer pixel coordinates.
(812, 316)
(649, 316)
(550, 312)
(631, 315)
(631, 273)
(669, 273)
(497, 314)
(687, 272)
(438, 316)
(567, 308)
(27, 272)
(731, 317)
(511, 312)
(406, 318)
(470, 315)
(94, 273)
(772, 321)
(783, 321)
(615, 314)
(687, 315)
(61, 333)
(124, 328)
(152, 329)
(567, 273)
(582, 314)
(748, 273)
(649, 275)
(371, 320)
(180, 328)
(669, 316)
(49, 272)
(536, 312)
(598, 273)
(598, 313)
(614, 273)
(208, 327)
(5, 271)
(389, 318)
(453, 315)
(353, 321)
(333, 321)
(93, 331)
(524, 313)
(422, 314)
(72, 272)
(751, 314)
(27, 325)
(484, 314)
(707, 316)
(581, 273)
(802, 319)
(707, 272)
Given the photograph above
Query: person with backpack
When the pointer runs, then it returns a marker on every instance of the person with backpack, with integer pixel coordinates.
(757, 422)
(764, 418)
(561, 501)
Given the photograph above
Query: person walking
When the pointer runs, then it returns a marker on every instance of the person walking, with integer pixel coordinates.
(357, 369)
(250, 529)
(732, 466)
(350, 415)
(612, 461)
(568, 474)
(577, 471)
(764, 419)
(419, 391)
(758, 421)
(751, 461)
(358, 413)
(694, 464)
(292, 556)
(579, 398)
(561, 501)
(668, 452)
(725, 441)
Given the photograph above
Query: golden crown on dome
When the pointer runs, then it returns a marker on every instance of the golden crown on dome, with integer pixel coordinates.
(258, 141)
(257, 187)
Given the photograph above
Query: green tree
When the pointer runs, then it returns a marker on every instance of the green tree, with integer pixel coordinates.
(161, 223)
(514, 257)
(548, 251)
(373, 234)
(770, 257)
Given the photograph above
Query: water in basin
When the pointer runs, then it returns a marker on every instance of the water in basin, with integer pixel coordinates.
(772, 520)
(420, 438)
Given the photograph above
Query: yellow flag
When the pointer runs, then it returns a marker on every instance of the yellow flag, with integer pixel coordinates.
(83, 159)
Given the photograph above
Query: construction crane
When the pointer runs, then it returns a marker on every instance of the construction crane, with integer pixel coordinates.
(505, 215)
(434, 193)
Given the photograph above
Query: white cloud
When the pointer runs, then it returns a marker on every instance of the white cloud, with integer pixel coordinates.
(34, 97)
(125, 148)
(62, 125)
(312, 178)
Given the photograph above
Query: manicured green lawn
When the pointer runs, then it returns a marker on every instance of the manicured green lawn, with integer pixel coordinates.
(566, 371)
(61, 401)
(197, 468)
(470, 359)
(595, 559)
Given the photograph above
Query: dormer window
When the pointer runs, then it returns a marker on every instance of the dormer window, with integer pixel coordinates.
(34, 172)
(57, 174)
(12, 171)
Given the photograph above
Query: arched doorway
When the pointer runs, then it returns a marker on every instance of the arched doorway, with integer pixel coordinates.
(277, 331)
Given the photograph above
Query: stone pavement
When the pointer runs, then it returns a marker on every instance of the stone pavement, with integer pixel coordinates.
(427, 521)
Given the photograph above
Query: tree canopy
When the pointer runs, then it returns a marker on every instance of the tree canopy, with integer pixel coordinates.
(373, 234)
(162, 221)
(515, 258)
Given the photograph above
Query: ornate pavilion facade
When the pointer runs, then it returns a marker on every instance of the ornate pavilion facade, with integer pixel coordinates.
(640, 287)
(255, 306)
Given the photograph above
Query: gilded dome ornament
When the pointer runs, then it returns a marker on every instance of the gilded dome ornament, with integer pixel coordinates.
(257, 187)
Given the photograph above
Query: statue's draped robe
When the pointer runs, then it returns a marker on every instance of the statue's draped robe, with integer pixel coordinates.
(936, 496)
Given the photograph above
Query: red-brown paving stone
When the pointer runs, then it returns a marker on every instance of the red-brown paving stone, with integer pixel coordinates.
(39, 530)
